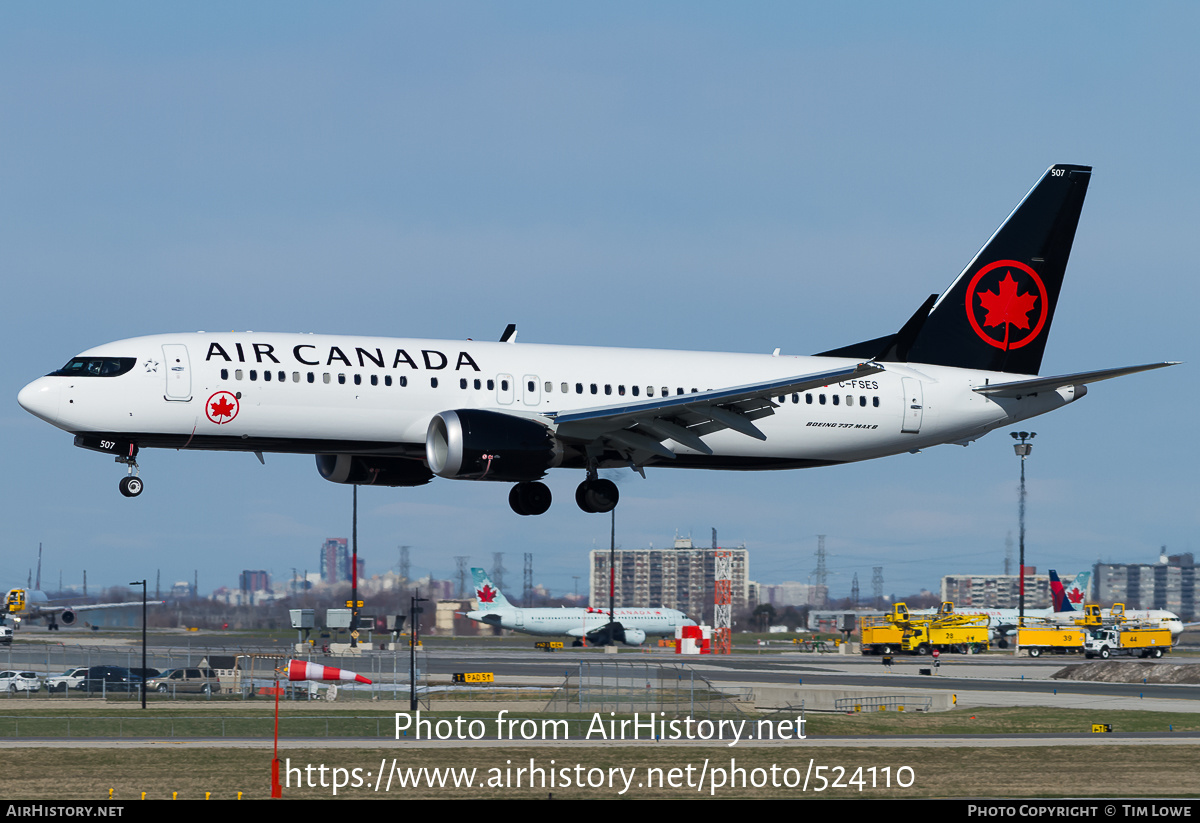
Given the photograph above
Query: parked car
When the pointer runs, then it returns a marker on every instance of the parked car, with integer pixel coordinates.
(70, 679)
(110, 679)
(13, 682)
(185, 681)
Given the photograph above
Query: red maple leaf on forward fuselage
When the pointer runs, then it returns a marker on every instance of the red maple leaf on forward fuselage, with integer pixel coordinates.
(486, 595)
(222, 408)
(1005, 305)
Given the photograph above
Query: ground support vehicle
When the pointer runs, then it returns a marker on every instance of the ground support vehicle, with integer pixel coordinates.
(1039, 640)
(945, 631)
(1127, 641)
(879, 636)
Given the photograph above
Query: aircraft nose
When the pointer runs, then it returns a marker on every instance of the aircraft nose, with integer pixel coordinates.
(40, 398)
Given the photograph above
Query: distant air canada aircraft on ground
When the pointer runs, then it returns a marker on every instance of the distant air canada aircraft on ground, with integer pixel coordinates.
(630, 626)
(396, 412)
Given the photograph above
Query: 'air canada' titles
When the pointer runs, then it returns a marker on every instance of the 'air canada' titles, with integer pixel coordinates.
(309, 355)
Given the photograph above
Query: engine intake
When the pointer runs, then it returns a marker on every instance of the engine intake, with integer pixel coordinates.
(472, 444)
(372, 471)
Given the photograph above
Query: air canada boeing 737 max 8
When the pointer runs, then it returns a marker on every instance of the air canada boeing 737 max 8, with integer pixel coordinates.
(396, 412)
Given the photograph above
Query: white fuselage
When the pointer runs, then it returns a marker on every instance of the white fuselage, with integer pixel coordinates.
(331, 394)
(578, 622)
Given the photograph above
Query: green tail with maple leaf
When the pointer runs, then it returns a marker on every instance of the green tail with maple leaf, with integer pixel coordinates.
(996, 315)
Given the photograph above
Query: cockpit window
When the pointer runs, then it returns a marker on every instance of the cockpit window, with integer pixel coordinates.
(95, 367)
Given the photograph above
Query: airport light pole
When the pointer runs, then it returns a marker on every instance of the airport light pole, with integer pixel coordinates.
(414, 637)
(1022, 448)
(142, 686)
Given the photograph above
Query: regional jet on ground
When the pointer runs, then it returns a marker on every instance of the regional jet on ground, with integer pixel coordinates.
(628, 626)
(396, 412)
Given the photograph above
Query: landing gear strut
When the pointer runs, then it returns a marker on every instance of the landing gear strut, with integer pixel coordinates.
(131, 484)
(529, 498)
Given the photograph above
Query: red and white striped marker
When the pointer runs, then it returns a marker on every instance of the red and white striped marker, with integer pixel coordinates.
(303, 670)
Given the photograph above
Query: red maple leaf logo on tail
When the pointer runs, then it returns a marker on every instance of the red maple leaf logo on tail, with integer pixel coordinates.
(1006, 306)
(486, 595)
(1075, 596)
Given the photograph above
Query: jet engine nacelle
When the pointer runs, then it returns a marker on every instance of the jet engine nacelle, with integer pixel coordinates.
(66, 617)
(372, 471)
(634, 637)
(472, 444)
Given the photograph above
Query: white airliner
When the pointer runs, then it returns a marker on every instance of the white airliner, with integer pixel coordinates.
(30, 604)
(396, 412)
(632, 627)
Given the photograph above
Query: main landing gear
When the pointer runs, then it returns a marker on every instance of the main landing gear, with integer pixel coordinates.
(594, 496)
(131, 484)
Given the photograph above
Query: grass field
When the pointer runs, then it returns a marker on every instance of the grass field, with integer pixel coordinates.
(983, 770)
(1130, 771)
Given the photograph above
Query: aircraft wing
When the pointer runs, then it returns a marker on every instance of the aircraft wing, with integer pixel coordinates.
(578, 631)
(639, 428)
(1021, 388)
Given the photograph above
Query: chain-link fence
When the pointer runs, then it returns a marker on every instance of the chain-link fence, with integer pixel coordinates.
(644, 687)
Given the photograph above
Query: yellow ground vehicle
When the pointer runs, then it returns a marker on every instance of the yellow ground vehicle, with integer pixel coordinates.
(1039, 640)
(1129, 641)
(945, 631)
(880, 635)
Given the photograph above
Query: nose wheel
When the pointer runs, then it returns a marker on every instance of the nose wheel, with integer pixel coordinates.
(131, 484)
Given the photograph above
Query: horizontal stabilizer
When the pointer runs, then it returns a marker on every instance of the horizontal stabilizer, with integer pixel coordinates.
(1022, 388)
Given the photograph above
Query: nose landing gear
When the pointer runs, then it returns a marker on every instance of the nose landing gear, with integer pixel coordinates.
(131, 484)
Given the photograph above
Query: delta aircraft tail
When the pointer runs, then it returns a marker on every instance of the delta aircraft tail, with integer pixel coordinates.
(1072, 598)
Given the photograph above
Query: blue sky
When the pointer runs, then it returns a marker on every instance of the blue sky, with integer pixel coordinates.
(668, 175)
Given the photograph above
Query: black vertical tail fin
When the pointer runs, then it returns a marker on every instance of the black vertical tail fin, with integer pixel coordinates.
(997, 314)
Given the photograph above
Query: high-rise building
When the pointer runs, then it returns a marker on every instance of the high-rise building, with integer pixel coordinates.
(997, 591)
(255, 580)
(335, 560)
(1169, 584)
(682, 577)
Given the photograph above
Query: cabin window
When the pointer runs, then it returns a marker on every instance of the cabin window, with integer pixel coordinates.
(283, 377)
(267, 376)
(374, 380)
(491, 384)
(254, 375)
(530, 386)
(387, 380)
(295, 377)
(503, 385)
(565, 387)
(478, 384)
(237, 374)
(312, 378)
(821, 399)
(849, 400)
(403, 380)
(862, 400)
(462, 382)
(224, 374)
(341, 379)
(649, 391)
(433, 382)
(875, 402)
(836, 399)
(621, 389)
(579, 388)
(326, 378)
(635, 390)
(595, 388)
